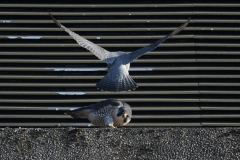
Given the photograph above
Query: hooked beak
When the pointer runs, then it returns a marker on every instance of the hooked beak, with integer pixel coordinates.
(125, 115)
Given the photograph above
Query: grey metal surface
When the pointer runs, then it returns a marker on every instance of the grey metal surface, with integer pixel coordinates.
(191, 80)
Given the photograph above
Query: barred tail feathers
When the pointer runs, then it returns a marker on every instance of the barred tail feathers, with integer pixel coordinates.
(116, 83)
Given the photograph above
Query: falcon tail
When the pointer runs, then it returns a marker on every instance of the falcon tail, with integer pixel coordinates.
(116, 84)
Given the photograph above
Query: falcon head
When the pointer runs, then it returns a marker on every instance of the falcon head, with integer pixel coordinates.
(124, 115)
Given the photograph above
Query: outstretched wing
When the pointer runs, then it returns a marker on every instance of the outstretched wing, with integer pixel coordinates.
(128, 58)
(101, 53)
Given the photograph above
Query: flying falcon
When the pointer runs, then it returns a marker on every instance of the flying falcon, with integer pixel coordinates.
(109, 113)
(118, 63)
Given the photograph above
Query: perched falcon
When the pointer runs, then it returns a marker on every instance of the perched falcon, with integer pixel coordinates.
(108, 113)
(117, 78)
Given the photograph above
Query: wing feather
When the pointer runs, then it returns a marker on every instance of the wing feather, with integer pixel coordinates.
(100, 105)
(98, 51)
(128, 58)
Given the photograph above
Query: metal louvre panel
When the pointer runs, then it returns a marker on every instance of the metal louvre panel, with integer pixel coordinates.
(192, 79)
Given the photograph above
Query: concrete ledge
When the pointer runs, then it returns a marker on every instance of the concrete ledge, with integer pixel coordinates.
(122, 143)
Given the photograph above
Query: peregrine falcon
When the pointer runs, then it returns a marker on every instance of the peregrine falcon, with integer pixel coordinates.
(118, 63)
(108, 113)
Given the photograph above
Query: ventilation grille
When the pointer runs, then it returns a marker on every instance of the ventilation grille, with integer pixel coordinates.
(192, 79)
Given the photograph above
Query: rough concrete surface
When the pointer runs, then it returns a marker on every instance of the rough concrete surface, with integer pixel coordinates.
(122, 143)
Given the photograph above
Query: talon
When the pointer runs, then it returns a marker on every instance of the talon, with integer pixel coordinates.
(111, 126)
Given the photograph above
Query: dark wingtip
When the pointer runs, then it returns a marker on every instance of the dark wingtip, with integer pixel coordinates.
(66, 113)
(50, 14)
(180, 28)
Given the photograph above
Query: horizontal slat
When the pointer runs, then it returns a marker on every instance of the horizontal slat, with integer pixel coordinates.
(218, 84)
(217, 45)
(102, 93)
(49, 124)
(89, 125)
(97, 37)
(147, 20)
(109, 93)
(100, 77)
(98, 61)
(216, 37)
(123, 13)
(149, 108)
(27, 29)
(220, 124)
(97, 100)
(148, 29)
(127, 45)
(122, 99)
(36, 116)
(220, 100)
(133, 117)
(47, 84)
(190, 68)
(110, 45)
(220, 52)
(111, 21)
(88, 84)
(134, 5)
(216, 5)
(128, 125)
(218, 60)
(186, 116)
(35, 53)
(219, 92)
(217, 108)
(124, 37)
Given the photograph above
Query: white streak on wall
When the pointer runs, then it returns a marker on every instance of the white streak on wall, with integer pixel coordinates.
(62, 108)
(6, 21)
(71, 93)
(11, 37)
(71, 109)
(77, 69)
(62, 76)
(141, 68)
(31, 37)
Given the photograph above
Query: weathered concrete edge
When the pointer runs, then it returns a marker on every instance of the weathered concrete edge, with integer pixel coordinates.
(121, 143)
